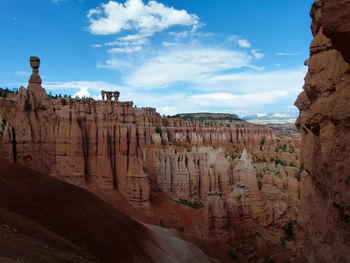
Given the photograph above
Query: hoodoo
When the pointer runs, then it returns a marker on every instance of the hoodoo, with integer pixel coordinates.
(228, 170)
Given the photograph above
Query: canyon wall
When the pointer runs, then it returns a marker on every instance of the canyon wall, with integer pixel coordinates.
(231, 172)
(101, 144)
(324, 121)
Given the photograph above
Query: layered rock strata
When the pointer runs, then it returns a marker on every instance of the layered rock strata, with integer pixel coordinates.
(101, 145)
(325, 126)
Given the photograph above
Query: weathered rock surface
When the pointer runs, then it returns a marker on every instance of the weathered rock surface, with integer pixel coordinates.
(111, 147)
(217, 214)
(325, 126)
(100, 144)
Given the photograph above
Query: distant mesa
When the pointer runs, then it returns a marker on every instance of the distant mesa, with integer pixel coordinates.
(211, 118)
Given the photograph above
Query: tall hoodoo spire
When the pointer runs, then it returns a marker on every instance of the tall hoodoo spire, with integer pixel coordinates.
(35, 64)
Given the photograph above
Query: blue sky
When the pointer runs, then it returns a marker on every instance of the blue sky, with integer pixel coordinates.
(235, 56)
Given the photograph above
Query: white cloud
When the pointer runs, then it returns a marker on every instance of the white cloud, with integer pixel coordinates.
(229, 100)
(171, 44)
(257, 54)
(125, 49)
(96, 45)
(83, 92)
(247, 92)
(117, 64)
(232, 38)
(113, 17)
(281, 115)
(288, 53)
(290, 81)
(256, 67)
(95, 86)
(243, 43)
(260, 115)
(22, 73)
(179, 35)
(185, 65)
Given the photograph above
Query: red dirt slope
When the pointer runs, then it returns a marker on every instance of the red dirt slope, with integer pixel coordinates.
(40, 210)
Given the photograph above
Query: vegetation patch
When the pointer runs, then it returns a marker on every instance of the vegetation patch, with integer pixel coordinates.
(298, 175)
(2, 126)
(192, 204)
(233, 254)
(288, 232)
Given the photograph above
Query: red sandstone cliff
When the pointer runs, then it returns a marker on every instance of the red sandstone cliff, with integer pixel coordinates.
(324, 123)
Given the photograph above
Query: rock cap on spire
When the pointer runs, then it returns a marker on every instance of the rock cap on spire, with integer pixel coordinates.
(35, 64)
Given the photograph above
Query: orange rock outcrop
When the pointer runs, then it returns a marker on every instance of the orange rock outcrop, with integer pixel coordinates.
(324, 123)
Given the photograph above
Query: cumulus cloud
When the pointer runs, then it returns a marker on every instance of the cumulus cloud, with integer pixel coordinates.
(243, 43)
(83, 92)
(113, 17)
(257, 54)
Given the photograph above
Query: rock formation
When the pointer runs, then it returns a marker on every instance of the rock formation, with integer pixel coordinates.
(217, 214)
(324, 123)
(110, 148)
(100, 144)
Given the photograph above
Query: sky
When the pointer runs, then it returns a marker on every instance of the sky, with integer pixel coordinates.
(233, 56)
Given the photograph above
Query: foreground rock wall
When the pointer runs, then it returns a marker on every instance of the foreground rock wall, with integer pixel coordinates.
(325, 125)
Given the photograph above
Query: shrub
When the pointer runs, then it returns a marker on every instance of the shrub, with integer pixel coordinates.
(288, 232)
(281, 162)
(233, 254)
(163, 142)
(158, 130)
(298, 174)
(192, 204)
(258, 235)
(284, 147)
(262, 142)
(2, 127)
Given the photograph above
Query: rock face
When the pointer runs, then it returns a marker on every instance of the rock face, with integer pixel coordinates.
(100, 145)
(217, 214)
(110, 148)
(189, 175)
(325, 126)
